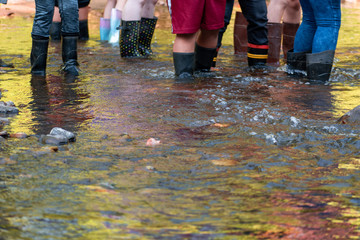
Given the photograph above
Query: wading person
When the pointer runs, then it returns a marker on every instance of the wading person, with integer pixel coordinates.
(193, 51)
(250, 28)
(2, 63)
(316, 39)
(40, 35)
(289, 11)
(137, 28)
(55, 30)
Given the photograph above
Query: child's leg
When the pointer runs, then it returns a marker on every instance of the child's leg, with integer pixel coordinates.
(110, 4)
(55, 30)
(132, 10)
(148, 9)
(291, 23)
(147, 27)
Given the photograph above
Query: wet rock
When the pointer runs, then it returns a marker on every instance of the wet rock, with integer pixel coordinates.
(151, 142)
(264, 116)
(52, 139)
(224, 162)
(270, 139)
(2, 139)
(8, 107)
(4, 134)
(4, 121)
(351, 117)
(150, 168)
(6, 161)
(20, 135)
(62, 132)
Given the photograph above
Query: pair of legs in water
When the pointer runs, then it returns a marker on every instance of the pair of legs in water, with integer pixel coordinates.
(137, 22)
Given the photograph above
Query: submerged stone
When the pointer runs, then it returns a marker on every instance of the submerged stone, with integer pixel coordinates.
(53, 139)
(351, 117)
(62, 132)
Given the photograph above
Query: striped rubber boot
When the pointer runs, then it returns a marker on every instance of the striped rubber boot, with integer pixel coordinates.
(257, 55)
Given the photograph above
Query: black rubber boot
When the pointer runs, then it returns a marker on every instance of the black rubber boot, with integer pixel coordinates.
(296, 63)
(55, 31)
(147, 29)
(69, 55)
(319, 65)
(184, 65)
(7, 65)
(204, 58)
(129, 39)
(84, 30)
(38, 56)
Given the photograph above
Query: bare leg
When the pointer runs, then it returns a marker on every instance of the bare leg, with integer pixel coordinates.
(208, 38)
(132, 10)
(185, 43)
(109, 5)
(276, 10)
(120, 5)
(56, 17)
(148, 9)
(292, 12)
(83, 13)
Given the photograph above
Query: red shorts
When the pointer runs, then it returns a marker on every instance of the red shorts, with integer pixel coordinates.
(188, 16)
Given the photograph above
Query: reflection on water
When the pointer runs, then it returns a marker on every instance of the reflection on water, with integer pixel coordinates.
(243, 155)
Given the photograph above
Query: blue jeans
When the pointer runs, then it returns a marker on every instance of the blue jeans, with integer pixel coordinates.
(320, 26)
(69, 13)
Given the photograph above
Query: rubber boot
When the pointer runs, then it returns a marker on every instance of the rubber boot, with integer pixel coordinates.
(184, 65)
(274, 37)
(55, 31)
(7, 65)
(289, 32)
(296, 63)
(240, 34)
(84, 30)
(129, 39)
(257, 55)
(213, 64)
(38, 56)
(104, 29)
(319, 65)
(69, 55)
(147, 28)
(115, 21)
(204, 58)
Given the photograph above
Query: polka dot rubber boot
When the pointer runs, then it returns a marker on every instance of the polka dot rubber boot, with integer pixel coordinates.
(129, 39)
(147, 28)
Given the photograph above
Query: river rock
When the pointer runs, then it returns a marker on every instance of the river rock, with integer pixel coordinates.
(4, 121)
(53, 139)
(59, 131)
(4, 134)
(351, 117)
(19, 135)
(8, 107)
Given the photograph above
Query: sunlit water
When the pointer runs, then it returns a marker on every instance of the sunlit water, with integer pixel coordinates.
(243, 154)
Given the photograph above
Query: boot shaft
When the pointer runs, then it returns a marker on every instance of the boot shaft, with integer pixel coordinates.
(69, 55)
(129, 39)
(289, 32)
(38, 56)
(240, 34)
(146, 32)
(204, 58)
(184, 64)
(296, 63)
(319, 65)
(274, 38)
